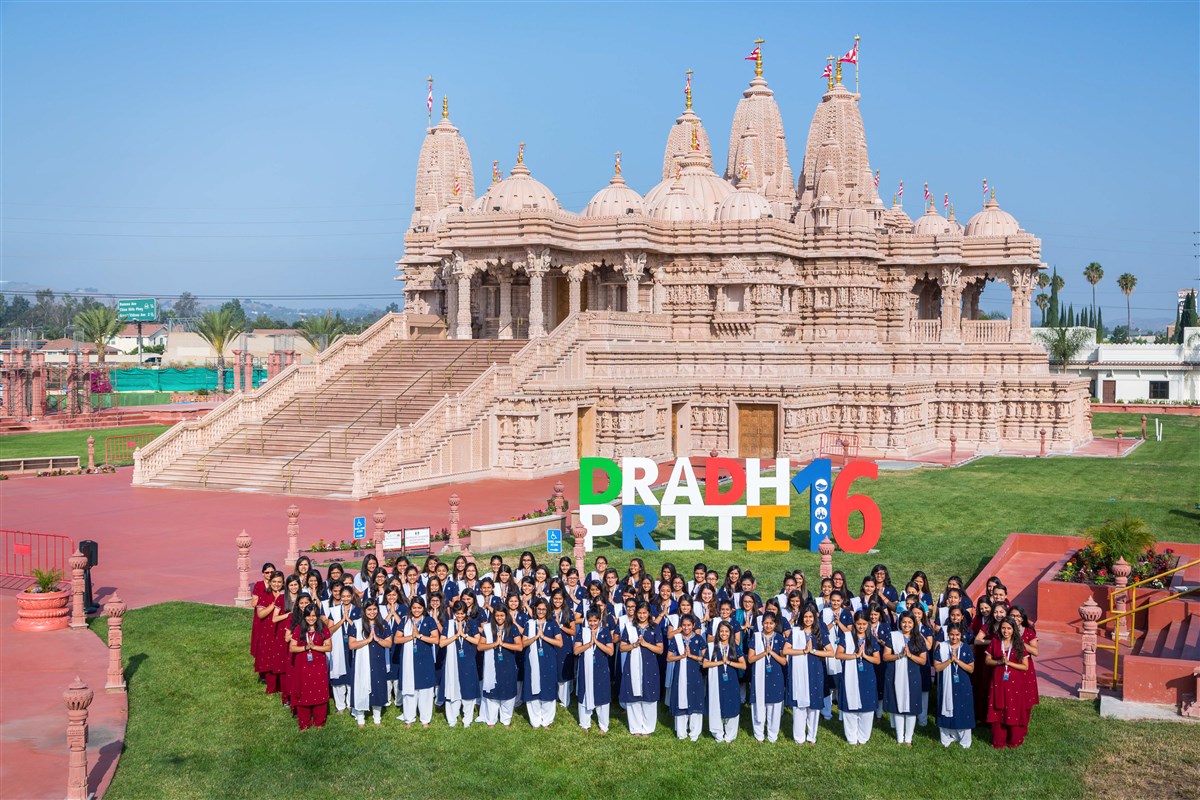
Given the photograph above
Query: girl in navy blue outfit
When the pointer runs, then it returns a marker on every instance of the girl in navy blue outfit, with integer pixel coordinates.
(369, 691)
(640, 688)
(501, 642)
(340, 613)
(954, 662)
(543, 637)
(419, 639)
(593, 651)
(561, 610)
(685, 652)
(905, 654)
(857, 699)
(766, 667)
(724, 702)
(460, 676)
(806, 649)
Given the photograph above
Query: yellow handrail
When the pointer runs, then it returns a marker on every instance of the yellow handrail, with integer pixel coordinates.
(1133, 587)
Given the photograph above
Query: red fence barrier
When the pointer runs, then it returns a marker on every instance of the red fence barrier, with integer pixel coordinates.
(25, 551)
(842, 446)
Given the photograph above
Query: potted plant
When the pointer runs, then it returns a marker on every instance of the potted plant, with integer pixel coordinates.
(43, 606)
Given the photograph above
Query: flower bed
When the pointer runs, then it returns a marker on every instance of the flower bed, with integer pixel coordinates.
(103, 469)
(336, 545)
(1088, 565)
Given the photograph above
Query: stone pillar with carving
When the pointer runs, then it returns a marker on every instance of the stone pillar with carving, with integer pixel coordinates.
(574, 289)
(635, 265)
(462, 318)
(1089, 612)
(560, 500)
(579, 532)
(274, 361)
(504, 273)
(1022, 284)
(92, 452)
(537, 266)
(78, 563)
(1042, 436)
(453, 525)
(825, 548)
(379, 518)
(114, 609)
(77, 697)
(1121, 572)
(237, 371)
(951, 285)
(243, 542)
(293, 532)
(451, 303)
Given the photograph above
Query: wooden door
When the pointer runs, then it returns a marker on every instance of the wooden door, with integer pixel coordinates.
(1109, 389)
(757, 431)
(585, 432)
(562, 300)
(675, 428)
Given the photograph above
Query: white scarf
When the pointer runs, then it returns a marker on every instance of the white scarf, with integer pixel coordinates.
(900, 675)
(760, 676)
(635, 660)
(943, 615)
(715, 720)
(362, 671)
(535, 661)
(452, 691)
(946, 680)
(489, 661)
(832, 665)
(337, 656)
(682, 671)
(799, 666)
(587, 698)
(408, 681)
(850, 679)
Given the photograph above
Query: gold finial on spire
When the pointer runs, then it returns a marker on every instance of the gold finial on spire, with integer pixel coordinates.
(445, 107)
(895, 199)
(837, 73)
(993, 194)
(495, 172)
(695, 138)
(617, 166)
(687, 89)
(521, 153)
(743, 170)
(758, 57)
(830, 70)
(952, 211)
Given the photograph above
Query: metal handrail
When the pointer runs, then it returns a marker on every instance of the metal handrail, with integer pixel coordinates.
(449, 368)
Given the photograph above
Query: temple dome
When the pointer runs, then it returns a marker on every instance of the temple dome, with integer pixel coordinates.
(443, 162)
(932, 223)
(992, 221)
(614, 200)
(757, 136)
(895, 220)
(744, 204)
(675, 205)
(837, 122)
(699, 182)
(518, 192)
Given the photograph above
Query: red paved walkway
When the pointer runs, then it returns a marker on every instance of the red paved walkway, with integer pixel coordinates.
(35, 670)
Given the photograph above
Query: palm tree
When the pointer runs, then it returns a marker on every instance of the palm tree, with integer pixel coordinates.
(1042, 301)
(1126, 283)
(1043, 280)
(219, 327)
(321, 332)
(1063, 343)
(99, 325)
(1093, 272)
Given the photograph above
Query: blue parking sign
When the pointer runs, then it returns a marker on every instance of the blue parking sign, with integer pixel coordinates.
(554, 541)
(360, 527)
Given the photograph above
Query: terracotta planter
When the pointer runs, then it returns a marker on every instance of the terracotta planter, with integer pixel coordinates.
(43, 611)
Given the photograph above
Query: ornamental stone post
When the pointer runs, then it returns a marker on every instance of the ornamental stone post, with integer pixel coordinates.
(293, 530)
(537, 325)
(92, 451)
(1120, 433)
(453, 525)
(462, 328)
(77, 697)
(1121, 572)
(580, 534)
(1089, 612)
(243, 542)
(1143, 426)
(237, 372)
(825, 548)
(114, 609)
(379, 518)
(504, 273)
(78, 563)
(574, 293)
(560, 501)
(953, 447)
(1042, 434)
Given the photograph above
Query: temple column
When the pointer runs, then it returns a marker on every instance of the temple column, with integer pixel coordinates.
(1022, 283)
(462, 327)
(656, 291)
(635, 265)
(451, 304)
(506, 281)
(537, 325)
(574, 289)
(951, 285)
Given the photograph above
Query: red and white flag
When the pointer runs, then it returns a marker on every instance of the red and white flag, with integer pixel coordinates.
(876, 179)
(687, 89)
(985, 187)
(457, 186)
(851, 57)
(754, 54)
(946, 201)
(927, 194)
(429, 100)
(828, 73)
(900, 193)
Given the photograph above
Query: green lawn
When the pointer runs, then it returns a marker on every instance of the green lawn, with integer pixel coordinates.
(66, 443)
(200, 727)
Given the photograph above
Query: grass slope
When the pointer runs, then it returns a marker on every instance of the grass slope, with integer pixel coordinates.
(66, 443)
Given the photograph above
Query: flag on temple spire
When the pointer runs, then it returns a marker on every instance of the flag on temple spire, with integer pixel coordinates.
(876, 179)
(985, 188)
(850, 57)
(754, 54)
(828, 73)
(946, 201)
(928, 196)
(429, 99)
(457, 186)
(900, 192)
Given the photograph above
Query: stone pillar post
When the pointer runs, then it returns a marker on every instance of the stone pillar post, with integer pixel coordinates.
(243, 542)
(273, 365)
(951, 285)
(462, 317)
(825, 548)
(91, 453)
(560, 500)
(38, 376)
(78, 564)
(580, 551)
(293, 530)
(635, 265)
(1042, 434)
(1120, 433)
(1143, 426)
(71, 401)
(1089, 612)
(453, 525)
(1121, 572)
(9, 374)
(379, 518)
(506, 323)
(574, 293)
(656, 291)
(537, 326)
(1022, 284)
(237, 372)
(114, 609)
(953, 447)
(77, 697)
(451, 304)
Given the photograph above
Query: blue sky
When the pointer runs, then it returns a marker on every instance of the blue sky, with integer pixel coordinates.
(269, 149)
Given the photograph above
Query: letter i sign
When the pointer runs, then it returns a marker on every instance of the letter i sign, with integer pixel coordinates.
(830, 504)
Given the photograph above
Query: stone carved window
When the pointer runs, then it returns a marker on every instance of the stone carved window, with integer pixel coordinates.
(735, 298)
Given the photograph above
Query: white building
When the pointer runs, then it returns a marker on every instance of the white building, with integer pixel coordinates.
(1138, 372)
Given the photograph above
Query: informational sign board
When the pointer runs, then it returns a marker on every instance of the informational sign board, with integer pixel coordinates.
(393, 540)
(141, 309)
(416, 537)
(360, 527)
(554, 541)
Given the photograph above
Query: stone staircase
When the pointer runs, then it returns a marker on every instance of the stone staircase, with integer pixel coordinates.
(309, 443)
(1164, 666)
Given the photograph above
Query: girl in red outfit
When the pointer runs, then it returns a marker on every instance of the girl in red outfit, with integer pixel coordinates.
(1028, 638)
(310, 675)
(270, 657)
(260, 590)
(1008, 699)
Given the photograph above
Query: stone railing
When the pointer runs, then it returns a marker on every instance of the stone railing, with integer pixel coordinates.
(224, 420)
(985, 330)
(926, 330)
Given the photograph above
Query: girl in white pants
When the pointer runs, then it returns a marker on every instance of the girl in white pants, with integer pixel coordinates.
(806, 650)
(593, 652)
(905, 655)
(460, 678)
(859, 653)
(724, 704)
(500, 643)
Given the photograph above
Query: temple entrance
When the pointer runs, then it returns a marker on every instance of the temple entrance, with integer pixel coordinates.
(1109, 389)
(757, 431)
(585, 432)
(562, 298)
(676, 425)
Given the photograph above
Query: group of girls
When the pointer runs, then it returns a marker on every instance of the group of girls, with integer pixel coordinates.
(481, 644)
